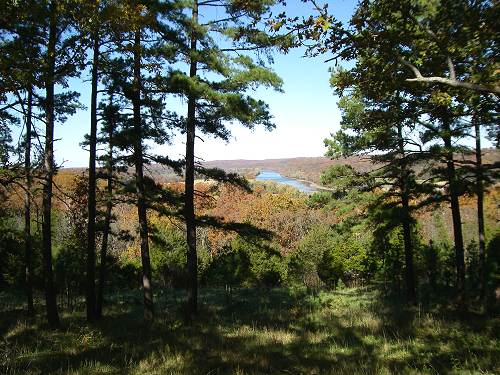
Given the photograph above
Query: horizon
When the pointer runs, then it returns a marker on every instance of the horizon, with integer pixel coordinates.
(228, 160)
(489, 148)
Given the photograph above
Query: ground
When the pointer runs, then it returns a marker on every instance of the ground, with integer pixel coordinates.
(254, 331)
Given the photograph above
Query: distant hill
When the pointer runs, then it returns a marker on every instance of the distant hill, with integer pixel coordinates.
(310, 168)
(302, 168)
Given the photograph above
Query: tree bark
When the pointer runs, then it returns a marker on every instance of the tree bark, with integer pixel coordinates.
(455, 212)
(27, 207)
(50, 292)
(192, 258)
(106, 229)
(480, 209)
(139, 180)
(91, 298)
(406, 221)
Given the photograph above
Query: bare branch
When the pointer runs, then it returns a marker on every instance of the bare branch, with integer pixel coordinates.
(412, 67)
(453, 75)
(495, 89)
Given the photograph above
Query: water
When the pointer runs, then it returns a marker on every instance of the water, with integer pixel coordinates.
(276, 177)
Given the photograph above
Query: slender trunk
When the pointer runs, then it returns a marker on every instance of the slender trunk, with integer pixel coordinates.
(27, 207)
(106, 229)
(91, 302)
(192, 259)
(455, 213)
(408, 245)
(406, 222)
(50, 292)
(139, 181)
(480, 209)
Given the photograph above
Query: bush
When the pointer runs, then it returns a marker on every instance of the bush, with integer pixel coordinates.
(243, 263)
(229, 267)
(168, 256)
(493, 273)
(329, 254)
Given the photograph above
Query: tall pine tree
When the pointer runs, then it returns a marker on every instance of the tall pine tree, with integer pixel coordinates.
(221, 71)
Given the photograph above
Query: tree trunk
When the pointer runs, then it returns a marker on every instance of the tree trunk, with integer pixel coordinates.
(50, 292)
(91, 302)
(139, 180)
(408, 245)
(406, 222)
(27, 207)
(192, 259)
(480, 209)
(106, 229)
(455, 212)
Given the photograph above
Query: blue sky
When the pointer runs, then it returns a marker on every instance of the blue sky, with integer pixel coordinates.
(304, 114)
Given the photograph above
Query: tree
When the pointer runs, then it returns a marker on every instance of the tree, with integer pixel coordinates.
(458, 36)
(483, 115)
(61, 52)
(214, 102)
(442, 44)
(96, 26)
(137, 76)
(50, 293)
(27, 205)
(382, 130)
(112, 119)
(95, 21)
(463, 35)
(20, 72)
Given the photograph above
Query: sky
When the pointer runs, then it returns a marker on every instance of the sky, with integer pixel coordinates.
(305, 113)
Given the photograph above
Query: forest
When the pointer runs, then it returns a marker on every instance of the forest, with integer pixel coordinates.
(145, 263)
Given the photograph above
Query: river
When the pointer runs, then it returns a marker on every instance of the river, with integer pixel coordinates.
(276, 177)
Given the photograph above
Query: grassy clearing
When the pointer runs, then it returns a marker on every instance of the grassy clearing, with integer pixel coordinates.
(255, 331)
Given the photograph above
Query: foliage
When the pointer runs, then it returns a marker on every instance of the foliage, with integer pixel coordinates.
(11, 267)
(231, 266)
(168, 255)
(493, 272)
(244, 263)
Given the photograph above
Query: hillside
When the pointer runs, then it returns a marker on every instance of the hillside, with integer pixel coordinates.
(301, 168)
(310, 168)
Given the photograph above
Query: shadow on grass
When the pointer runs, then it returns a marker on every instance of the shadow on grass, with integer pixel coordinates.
(254, 331)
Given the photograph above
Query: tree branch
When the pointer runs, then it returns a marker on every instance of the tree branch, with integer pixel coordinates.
(449, 81)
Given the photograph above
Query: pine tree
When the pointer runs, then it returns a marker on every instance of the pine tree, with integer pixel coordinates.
(137, 76)
(27, 204)
(435, 53)
(212, 103)
(63, 57)
(21, 61)
(385, 127)
(111, 122)
(94, 22)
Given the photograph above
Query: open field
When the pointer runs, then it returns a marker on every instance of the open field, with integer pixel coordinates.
(255, 331)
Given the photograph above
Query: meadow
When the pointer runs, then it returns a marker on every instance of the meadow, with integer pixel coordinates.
(254, 331)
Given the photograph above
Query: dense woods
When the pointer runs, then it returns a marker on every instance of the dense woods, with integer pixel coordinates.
(403, 238)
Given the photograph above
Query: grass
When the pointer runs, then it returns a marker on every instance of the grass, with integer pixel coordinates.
(253, 331)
